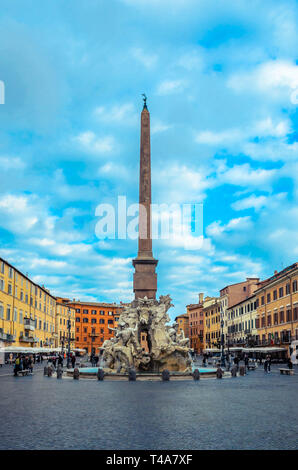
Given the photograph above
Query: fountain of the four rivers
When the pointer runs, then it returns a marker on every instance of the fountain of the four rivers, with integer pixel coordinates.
(166, 349)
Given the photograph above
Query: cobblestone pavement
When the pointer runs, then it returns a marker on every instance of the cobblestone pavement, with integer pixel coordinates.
(258, 411)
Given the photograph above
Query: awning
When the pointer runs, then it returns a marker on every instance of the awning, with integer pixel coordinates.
(268, 350)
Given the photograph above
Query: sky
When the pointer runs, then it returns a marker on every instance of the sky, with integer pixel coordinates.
(221, 79)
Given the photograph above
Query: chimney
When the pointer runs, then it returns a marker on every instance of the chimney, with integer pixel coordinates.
(275, 272)
(201, 297)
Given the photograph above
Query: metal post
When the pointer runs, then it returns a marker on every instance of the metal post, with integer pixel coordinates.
(222, 354)
(68, 349)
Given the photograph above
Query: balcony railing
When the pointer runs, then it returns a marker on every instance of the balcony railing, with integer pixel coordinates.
(29, 324)
(27, 339)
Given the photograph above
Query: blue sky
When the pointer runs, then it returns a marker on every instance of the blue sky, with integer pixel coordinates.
(220, 78)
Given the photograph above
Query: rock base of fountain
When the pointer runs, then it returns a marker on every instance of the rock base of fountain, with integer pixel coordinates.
(144, 342)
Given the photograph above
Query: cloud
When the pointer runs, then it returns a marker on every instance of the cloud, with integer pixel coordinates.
(11, 163)
(118, 114)
(277, 78)
(168, 87)
(148, 60)
(91, 143)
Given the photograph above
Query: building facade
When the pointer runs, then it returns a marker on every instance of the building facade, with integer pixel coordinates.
(212, 326)
(92, 323)
(241, 323)
(233, 294)
(196, 325)
(183, 324)
(27, 310)
(64, 314)
(277, 308)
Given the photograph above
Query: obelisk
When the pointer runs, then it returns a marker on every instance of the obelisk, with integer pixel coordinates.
(145, 278)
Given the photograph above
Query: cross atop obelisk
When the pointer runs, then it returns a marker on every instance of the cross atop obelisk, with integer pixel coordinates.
(145, 278)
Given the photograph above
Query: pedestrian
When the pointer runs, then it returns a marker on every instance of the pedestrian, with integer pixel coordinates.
(60, 360)
(269, 363)
(54, 361)
(17, 365)
(73, 361)
(266, 365)
(30, 364)
(236, 362)
(290, 363)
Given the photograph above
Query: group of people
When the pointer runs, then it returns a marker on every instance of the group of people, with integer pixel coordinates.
(58, 360)
(23, 362)
(94, 360)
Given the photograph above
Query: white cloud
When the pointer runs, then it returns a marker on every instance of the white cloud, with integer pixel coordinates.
(277, 78)
(119, 114)
(169, 87)
(90, 142)
(11, 163)
(148, 60)
(216, 229)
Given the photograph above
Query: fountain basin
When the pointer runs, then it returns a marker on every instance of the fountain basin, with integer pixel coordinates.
(91, 372)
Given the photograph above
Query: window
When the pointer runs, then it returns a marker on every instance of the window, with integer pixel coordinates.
(101, 320)
(8, 313)
(288, 288)
(2, 267)
(268, 298)
(281, 292)
(295, 286)
(1, 312)
(78, 319)
(269, 320)
(110, 322)
(85, 311)
(78, 329)
(289, 315)
(102, 312)
(9, 289)
(93, 312)
(10, 273)
(93, 320)
(274, 294)
(85, 320)
(275, 318)
(85, 330)
(15, 315)
(281, 317)
(262, 300)
(78, 310)
(1, 284)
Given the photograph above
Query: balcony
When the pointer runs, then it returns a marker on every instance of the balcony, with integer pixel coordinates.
(29, 324)
(27, 339)
(94, 334)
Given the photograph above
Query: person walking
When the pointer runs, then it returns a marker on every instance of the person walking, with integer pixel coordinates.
(246, 361)
(73, 361)
(30, 364)
(17, 365)
(266, 365)
(60, 360)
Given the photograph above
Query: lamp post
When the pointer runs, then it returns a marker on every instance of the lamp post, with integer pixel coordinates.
(222, 354)
(68, 348)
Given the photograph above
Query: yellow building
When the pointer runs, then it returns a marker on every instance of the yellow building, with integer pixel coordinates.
(27, 310)
(64, 313)
(277, 308)
(212, 333)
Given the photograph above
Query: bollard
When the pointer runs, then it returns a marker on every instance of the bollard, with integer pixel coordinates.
(219, 373)
(242, 370)
(76, 373)
(59, 372)
(234, 371)
(100, 374)
(45, 370)
(50, 371)
(132, 376)
(165, 375)
(196, 374)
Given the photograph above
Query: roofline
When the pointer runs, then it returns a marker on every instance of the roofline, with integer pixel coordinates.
(28, 278)
(242, 282)
(94, 304)
(277, 276)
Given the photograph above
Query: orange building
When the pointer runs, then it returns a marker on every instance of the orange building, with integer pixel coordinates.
(92, 322)
(183, 324)
(196, 325)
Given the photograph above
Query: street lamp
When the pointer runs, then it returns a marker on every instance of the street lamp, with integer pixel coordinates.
(68, 349)
(222, 354)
